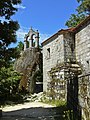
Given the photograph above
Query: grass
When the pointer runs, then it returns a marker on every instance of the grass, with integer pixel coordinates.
(57, 103)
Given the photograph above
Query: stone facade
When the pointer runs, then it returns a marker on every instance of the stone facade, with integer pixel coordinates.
(59, 49)
(82, 41)
(70, 46)
(53, 52)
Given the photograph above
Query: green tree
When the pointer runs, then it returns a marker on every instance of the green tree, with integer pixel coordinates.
(9, 82)
(7, 8)
(84, 7)
(9, 79)
(19, 48)
(74, 20)
(82, 11)
(8, 29)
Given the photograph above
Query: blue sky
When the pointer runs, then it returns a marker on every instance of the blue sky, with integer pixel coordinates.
(48, 16)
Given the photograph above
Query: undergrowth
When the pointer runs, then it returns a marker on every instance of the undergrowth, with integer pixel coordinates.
(53, 102)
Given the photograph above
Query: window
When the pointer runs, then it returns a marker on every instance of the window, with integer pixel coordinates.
(48, 53)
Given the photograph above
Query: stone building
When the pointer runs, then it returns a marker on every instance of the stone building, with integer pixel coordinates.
(57, 50)
(66, 49)
(52, 53)
(82, 43)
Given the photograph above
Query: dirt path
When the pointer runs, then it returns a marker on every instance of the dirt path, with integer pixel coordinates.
(31, 111)
(25, 106)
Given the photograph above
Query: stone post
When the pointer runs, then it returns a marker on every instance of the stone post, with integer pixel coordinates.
(37, 39)
(25, 46)
(25, 43)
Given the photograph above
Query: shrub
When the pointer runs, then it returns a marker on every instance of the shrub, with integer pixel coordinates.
(9, 82)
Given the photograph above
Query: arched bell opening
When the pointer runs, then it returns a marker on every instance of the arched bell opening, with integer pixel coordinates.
(31, 39)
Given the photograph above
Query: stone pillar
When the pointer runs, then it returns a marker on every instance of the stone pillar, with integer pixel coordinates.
(37, 39)
(25, 43)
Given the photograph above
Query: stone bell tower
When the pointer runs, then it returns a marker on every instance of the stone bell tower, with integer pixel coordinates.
(30, 38)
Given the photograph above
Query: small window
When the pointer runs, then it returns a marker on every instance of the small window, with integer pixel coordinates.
(72, 48)
(87, 62)
(48, 53)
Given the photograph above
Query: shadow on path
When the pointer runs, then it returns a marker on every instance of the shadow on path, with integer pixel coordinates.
(36, 113)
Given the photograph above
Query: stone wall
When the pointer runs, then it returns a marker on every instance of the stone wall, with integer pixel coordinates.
(53, 53)
(69, 48)
(82, 38)
(57, 86)
(84, 95)
(58, 51)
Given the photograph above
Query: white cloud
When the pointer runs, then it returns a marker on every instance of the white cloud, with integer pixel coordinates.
(20, 6)
(21, 33)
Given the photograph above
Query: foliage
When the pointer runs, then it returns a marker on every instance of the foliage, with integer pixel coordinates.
(82, 11)
(55, 102)
(9, 81)
(7, 8)
(84, 7)
(7, 56)
(60, 106)
(74, 20)
(7, 36)
(20, 46)
(8, 29)
(39, 76)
